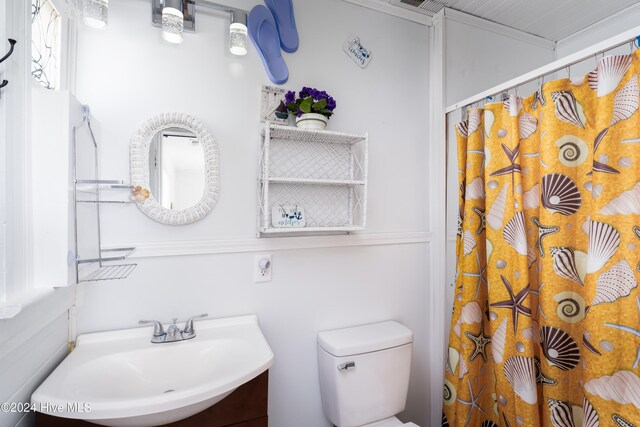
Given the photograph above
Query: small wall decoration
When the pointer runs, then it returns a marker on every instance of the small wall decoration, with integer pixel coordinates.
(283, 216)
(358, 53)
(272, 98)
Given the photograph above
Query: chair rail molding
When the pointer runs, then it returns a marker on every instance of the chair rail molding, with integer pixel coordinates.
(230, 246)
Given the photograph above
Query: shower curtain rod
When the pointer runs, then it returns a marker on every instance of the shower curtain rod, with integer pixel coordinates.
(560, 64)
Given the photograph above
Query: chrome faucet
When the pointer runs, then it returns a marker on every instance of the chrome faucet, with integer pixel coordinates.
(173, 332)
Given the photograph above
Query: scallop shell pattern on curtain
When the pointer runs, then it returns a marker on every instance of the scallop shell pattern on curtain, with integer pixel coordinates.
(546, 321)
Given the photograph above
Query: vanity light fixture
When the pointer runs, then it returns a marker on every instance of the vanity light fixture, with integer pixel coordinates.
(95, 13)
(166, 13)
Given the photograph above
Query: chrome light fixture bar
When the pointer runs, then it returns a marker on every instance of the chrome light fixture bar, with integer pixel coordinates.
(238, 40)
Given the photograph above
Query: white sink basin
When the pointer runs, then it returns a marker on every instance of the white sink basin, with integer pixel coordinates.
(120, 378)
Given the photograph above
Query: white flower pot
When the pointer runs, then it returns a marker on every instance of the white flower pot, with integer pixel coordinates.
(312, 121)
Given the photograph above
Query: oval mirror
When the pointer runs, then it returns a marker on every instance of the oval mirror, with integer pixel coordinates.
(174, 161)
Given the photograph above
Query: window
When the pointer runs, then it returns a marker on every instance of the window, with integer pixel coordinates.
(46, 26)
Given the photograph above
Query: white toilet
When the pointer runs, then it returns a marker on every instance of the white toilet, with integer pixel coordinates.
(364, 374)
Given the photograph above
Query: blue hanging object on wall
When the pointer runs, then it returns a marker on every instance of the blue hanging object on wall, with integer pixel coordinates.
(282, 11)
(264, 35)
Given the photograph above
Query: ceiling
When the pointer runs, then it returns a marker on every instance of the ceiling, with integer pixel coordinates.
(550, 19)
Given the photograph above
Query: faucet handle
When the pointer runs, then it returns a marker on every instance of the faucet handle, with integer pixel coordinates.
(173, 330)
(158, 330)
(188, 325)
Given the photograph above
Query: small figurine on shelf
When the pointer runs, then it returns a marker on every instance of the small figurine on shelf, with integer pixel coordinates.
(282, 112)
(312, 107)
(140, 195)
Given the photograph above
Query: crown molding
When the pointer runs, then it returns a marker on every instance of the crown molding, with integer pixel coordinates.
(494, 27)
(389, 9)
(231, 246)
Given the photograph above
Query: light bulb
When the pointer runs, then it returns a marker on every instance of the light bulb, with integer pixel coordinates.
(95, 13)
(172, 24)
(238, 33)
(238, 39)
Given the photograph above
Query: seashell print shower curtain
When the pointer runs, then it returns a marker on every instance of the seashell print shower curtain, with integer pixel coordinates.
(546, 321)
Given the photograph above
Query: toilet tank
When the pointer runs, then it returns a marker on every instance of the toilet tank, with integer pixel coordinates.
(364, 372)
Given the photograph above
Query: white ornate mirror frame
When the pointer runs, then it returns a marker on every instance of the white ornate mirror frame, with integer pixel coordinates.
(140, 143)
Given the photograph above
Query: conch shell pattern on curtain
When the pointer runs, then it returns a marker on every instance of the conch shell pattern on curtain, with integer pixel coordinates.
(546, 321)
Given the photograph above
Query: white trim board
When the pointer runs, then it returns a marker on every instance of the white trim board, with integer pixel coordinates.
(34, 316)
(609, 20)
(231, 246)
(389, 9)
(435, 315)
(503, 30)
(559, 64)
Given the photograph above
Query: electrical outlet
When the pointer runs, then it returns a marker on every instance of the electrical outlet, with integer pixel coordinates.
(263, 268)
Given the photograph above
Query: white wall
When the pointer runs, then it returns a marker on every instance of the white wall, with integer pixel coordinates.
(613, 25)
(481, 54)
(127, 74)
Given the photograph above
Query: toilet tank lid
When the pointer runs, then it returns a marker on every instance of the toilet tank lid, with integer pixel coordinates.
(365, 338)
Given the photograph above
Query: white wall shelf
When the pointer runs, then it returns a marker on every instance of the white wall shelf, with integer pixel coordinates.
(323, 172)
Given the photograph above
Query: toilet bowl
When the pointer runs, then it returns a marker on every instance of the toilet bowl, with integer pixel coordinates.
(364, 374)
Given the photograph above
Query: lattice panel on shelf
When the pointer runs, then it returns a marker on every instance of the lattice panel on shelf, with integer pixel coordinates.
(289, 158)
(324, 205)
(323, 172)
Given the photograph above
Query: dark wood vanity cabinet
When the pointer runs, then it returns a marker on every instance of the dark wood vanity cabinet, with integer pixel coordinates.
(245, 407)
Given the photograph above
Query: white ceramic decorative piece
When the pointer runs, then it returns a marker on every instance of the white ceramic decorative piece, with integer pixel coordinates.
(287, 216)
(140, 168)
(358, 53)
(312, 121)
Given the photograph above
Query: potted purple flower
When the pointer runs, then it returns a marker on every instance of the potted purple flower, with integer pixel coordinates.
(312, 107)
